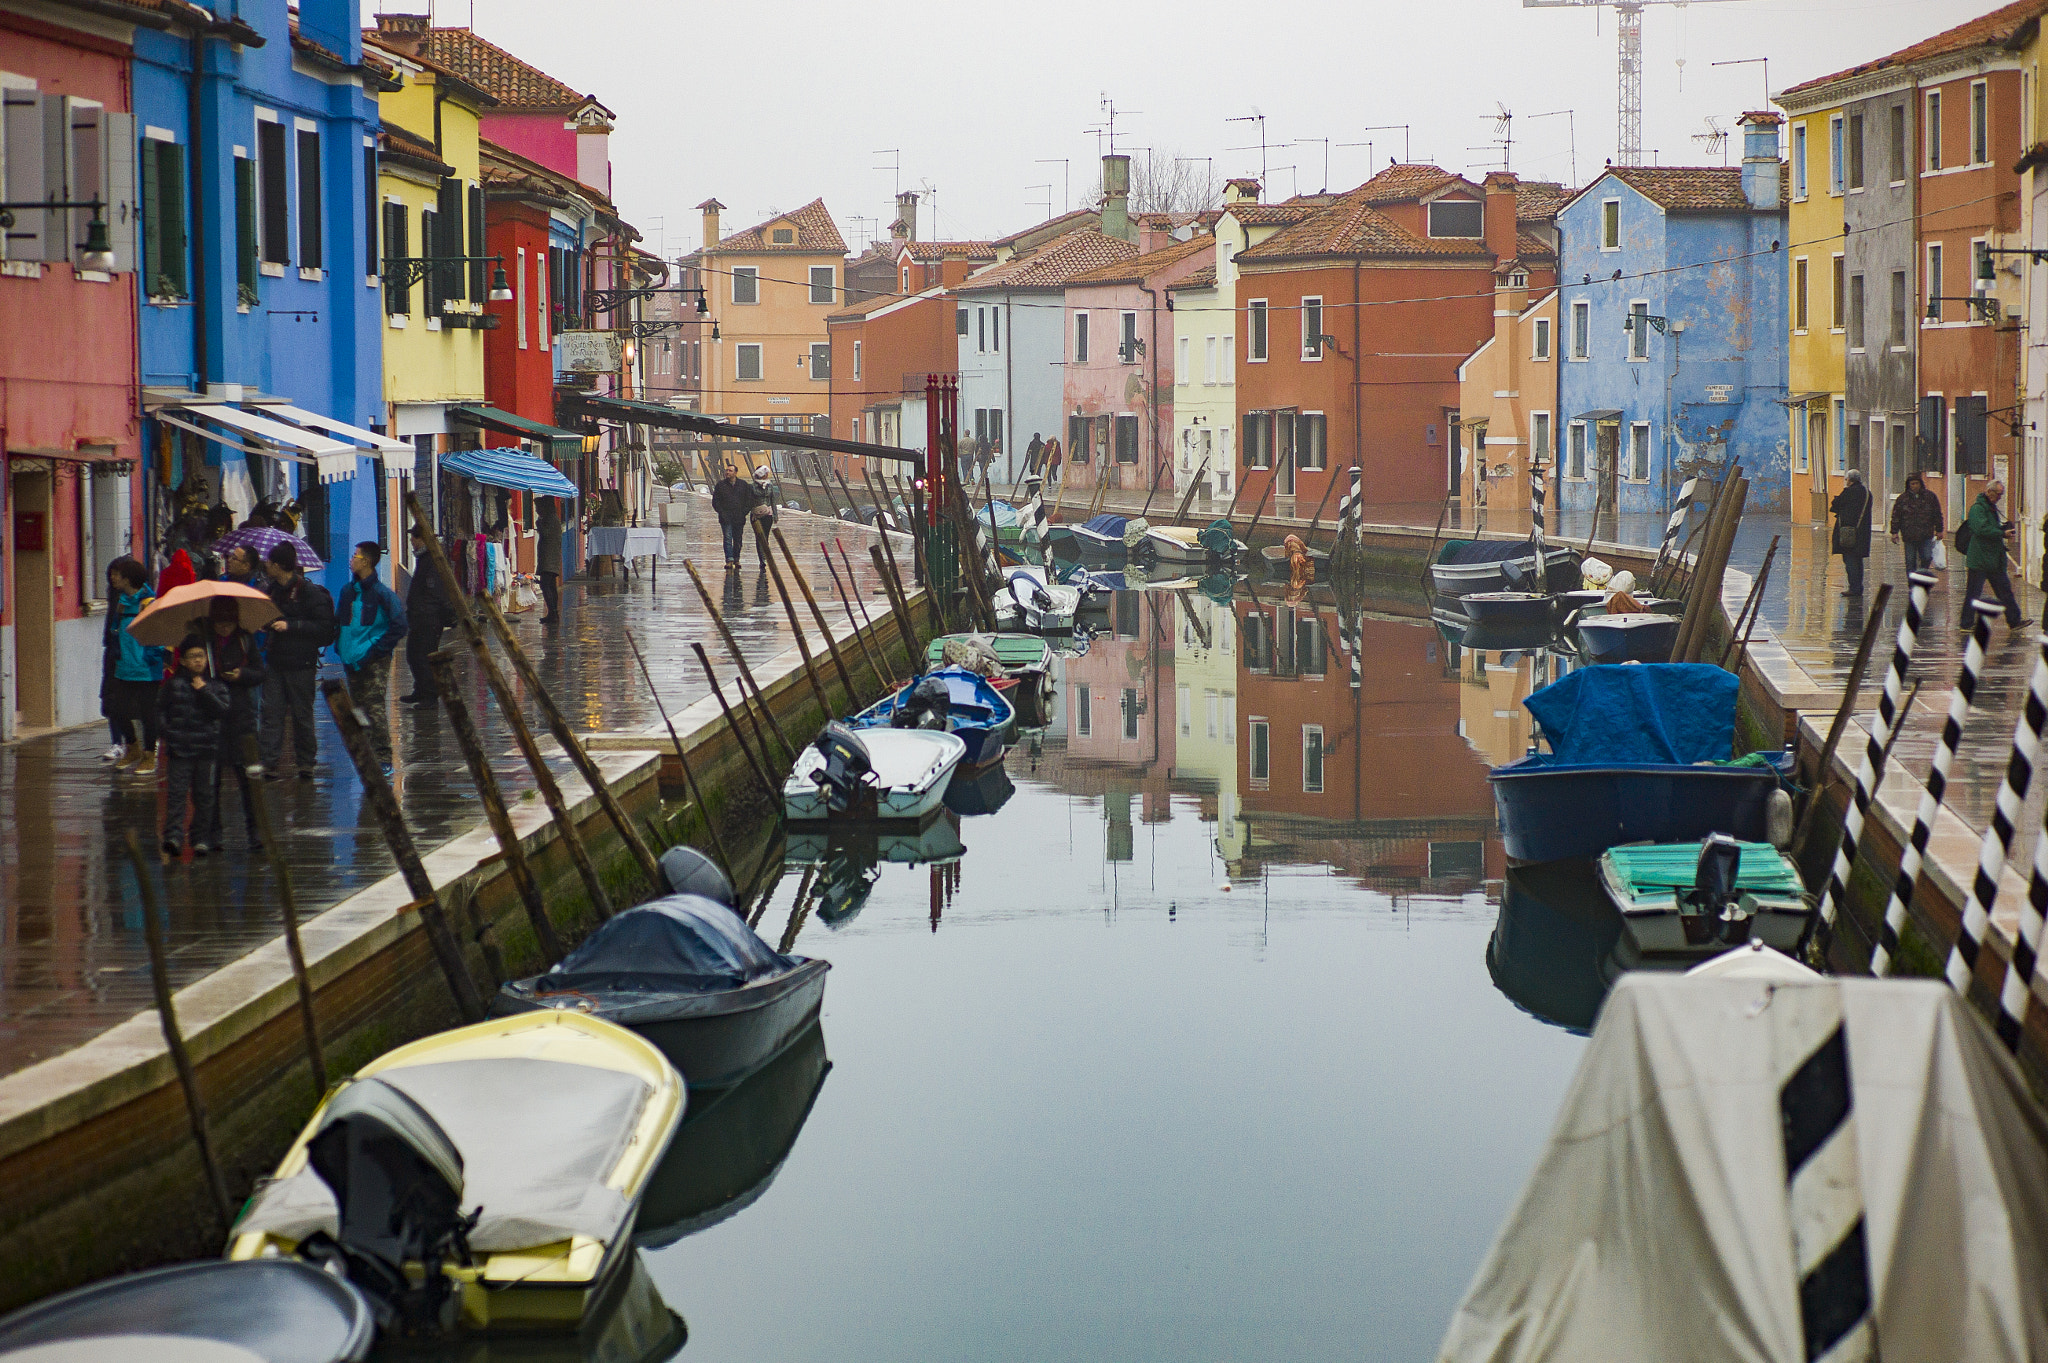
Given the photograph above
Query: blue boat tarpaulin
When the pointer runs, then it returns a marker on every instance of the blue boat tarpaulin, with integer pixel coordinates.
(1646, 712)
(1107, 524)
(511, 469)
(1485, 551)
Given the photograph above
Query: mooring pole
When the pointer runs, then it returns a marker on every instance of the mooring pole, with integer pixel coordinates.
(683, 759)
(288, 906)
(818, 617)
(732, 646)
(732, 723)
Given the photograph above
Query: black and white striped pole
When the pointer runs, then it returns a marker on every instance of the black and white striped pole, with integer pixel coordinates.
(1996, 844)
(1871, 770)
(1034, 515)
(1823, 1177)
(1350, 514)
(1674, 525)
(1352, 636)
(1960, 702)
(1536, 499)
(2018, 989)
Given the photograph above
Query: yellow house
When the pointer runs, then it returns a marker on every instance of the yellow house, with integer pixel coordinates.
(770, 289)
(430, 207)
(1816, 304)
(1507, 402)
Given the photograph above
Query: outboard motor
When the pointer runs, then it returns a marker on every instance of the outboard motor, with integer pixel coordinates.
(848, 770)
(397, 1184)
(689, 871)
(1714, 896)
(929, 706)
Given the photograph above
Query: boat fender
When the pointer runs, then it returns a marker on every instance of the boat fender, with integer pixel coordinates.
(1595, 572)
(1778, 820)
(929, 706)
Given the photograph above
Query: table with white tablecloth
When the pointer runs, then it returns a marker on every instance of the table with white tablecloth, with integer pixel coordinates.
(625, 541)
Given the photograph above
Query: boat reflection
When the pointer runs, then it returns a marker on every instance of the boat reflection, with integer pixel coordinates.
(845, 862)
(730, 1148)
(634, 1326)
(979, 792)
(1550, 949)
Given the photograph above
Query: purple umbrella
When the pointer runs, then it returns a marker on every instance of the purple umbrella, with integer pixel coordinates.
(259, 539)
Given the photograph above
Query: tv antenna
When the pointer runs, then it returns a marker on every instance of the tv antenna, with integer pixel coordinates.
(1572, 136)
(1714, 141)
(1254, 117)
(895, 166)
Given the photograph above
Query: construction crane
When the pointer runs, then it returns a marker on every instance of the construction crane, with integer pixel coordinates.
(1628, 137)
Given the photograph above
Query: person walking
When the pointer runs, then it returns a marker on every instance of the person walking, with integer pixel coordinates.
(190, 711)
(1916, 523)
(233, 661)
(292, 658)
(428, 615)
(242, 568)
(129, 672)
(1052, 461)
(763, 510)
(1852, 508)
(547, 562)
(1032, 453)
(1985, 551)
(369, 621)
(732, 500)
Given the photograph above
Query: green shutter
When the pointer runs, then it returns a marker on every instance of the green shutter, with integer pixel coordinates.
(170, 165)
(152, 239)
(245, 224)
(478, 289)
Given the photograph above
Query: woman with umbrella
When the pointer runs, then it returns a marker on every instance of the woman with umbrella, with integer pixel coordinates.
(132, 669)
(221, 615)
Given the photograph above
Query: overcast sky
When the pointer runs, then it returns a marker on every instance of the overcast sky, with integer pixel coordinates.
(769, 105)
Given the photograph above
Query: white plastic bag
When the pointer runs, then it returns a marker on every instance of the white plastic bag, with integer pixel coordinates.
(1940, 555)
(1594, 573)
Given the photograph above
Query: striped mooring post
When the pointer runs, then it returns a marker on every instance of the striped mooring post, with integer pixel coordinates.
(1960, 702)
(1996, 844)
(1350, 513)
(1034, 517)
(1536, 498)
(1871, 770)
(1349, 620)
(1823, 1180)
(2018, 989)
(1673, 526)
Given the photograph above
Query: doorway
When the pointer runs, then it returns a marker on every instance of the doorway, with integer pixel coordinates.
(35, 601)
(1606, 462)
(1817, 464)
(1283, 465)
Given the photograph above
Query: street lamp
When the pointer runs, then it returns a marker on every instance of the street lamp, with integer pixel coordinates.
(501, 291)
(97, 250)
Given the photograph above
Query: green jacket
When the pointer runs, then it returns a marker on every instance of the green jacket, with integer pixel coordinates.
(1987, 537)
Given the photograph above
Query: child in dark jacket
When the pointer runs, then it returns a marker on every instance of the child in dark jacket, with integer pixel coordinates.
(234, 658)
(189, 713)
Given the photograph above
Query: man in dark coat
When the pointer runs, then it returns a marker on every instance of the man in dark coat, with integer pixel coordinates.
(189, 712)
(428, 615)
(234, 663)
(1916, 522)
(1852, 510)
(732, 500)
(1986, 558)
(292, 655)
(547, 557)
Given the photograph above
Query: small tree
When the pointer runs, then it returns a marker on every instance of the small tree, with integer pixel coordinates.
(1167, 182)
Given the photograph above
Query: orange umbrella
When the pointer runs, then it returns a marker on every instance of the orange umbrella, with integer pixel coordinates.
(185, 610)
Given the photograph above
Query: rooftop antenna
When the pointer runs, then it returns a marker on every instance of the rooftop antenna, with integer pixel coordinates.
(1764, 62)
(1714, 141)
(931, 194)
(1066, 168)
(1254, 117)
(1047, 187)
(1504, 133)
(1401, 128)
(1572, 133)
(1310, 141)
(1110, 112)
(895, 166)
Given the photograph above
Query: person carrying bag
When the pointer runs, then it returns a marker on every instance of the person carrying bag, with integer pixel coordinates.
(1852, 508)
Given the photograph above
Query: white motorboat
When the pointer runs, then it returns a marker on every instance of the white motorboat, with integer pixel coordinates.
(1186, 546)
(1040, 606)
(871, 774)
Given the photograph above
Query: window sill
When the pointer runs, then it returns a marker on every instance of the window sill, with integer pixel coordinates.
(371, 281)
(243, 308)
(312, 276)
(433, 324)
(21, 269)
(92, 276)
(398, 320)
(1539, 359)
(271, 269)
(164, 300)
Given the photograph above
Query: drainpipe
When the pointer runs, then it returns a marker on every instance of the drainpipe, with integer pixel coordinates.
(195, 230)
(1010, 394)
(1357, 385)
(1152, 384)
(1677, 340)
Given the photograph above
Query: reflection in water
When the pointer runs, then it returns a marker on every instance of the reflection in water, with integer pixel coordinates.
(1549, 949)
(634, 1326)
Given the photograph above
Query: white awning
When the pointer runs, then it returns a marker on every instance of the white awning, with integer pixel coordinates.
(168, 416)
(335, 460)
(397, 454)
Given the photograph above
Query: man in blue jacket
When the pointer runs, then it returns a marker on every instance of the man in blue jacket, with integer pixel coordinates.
(371, 621)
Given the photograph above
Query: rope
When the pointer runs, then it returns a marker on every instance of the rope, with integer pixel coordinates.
(1960, 702)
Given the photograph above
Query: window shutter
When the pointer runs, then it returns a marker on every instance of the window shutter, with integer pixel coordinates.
(448, 237)
(1971, 448)
(117, 141)
(170, 176)
(397, 292)
(1931, 438)
(21, 173)
(56, 132)
(246, 273)
(275, 195)
(371, 225)
(430, 234)
(310, 207)
(152, 217)
(479, 291)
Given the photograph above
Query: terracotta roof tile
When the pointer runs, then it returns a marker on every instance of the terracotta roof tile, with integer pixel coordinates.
(929, 251)
(1986, 30)
(1073, 219)
(1531, 247)
(1692, 189)
(1137, 269)
(1539, 200)
(1401, 183)
(1052, 265)
(1204, 278)
(815, 233)
(513, 83)
(1353, 227)
(1272, 215)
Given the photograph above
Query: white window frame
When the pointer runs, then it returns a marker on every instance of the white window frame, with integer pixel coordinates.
(1127, 327)
(1838, 299)
(1259, 780)
(1802, 302)
(1542, 452)
(753, 274)
(1080, 336)
(811, 366)
(519, 298)
(1649, 451)
(1181, 366)
(1312, 348)
(1980, 121)
(298, 210)
(831, 284)
(1582, 331)
(1228, 349)
(1610, 217)
(271, 269)
(1084, 713)
(1208, 361)
(739, 349)
(1799, 161)
(1639, 336)
(1838, 150)
(1930, 274)
(1578, 444)
(1540, 341)
(1905, 143)
(1856, 308)
(1322, 759)
(1900, 289)
(1260, 308)
(856, 359)
(1840, 441)
(1977, 246)
(1930, 133)
(1802, 452)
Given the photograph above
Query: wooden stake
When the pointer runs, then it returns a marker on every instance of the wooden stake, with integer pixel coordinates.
(860, 632)
(508, 705)
(899, 605)
(1260, 509)
(803, 889)
(803, 646)
(174, 1040)
(288, 905)
(1738, 636)
(798, 911)
(355, 736)
(1158, 476)
(732, 646)
(487, 789)
(831, 645)
(739, 734)
(1872, 627)
(1329, 486)
(683, 758)
(1187, 500)
(810, 497)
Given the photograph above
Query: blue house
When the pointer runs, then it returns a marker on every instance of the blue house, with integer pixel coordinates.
(1672, 313)
(261, 335)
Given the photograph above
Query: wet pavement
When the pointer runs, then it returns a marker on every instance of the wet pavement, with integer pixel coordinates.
(72, 958)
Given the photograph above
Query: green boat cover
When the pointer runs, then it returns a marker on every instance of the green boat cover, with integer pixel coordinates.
(1015, 650)
(1649, 870)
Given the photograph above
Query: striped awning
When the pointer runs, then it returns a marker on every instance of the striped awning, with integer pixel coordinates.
(508, 468)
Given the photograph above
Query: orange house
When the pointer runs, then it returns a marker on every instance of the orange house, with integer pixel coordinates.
(768, 359)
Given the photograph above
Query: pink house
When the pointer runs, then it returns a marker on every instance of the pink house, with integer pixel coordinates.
(1119, 361)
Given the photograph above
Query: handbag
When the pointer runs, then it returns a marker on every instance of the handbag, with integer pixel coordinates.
(1845, 538)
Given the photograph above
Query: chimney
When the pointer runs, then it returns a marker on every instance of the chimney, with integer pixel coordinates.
(1760, 159)
(403, 31)
(1116, 198)
(1500, 214)
(1240, 192)
(1155, 233)
(906, 215)
(710, 208)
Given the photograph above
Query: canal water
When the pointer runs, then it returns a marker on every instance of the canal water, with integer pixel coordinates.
(1196, 1051)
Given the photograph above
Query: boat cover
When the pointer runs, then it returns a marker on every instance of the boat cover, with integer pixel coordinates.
(1484, 551)
(212, 1310)
(1656, 1225)
(1106, 524)
(1649, 712)
(680, 941)
(1005, 515)
(539, 1140)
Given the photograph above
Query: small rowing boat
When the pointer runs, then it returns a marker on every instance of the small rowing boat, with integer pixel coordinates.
(1699, 899)
(873, 774)
(210, 1311)
(1466, 566)
(1631, 637)
(1185, 547)
(954, 700)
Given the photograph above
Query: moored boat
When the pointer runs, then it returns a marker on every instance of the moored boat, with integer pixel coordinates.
(551, 1122)
(1509, 608)
(1632, 637)
(1184, 546)
(1699, 899)
(875, 774)
(1028, 598)
(1466, 566)
(1099, 539)
(1275, 557)
(951, 699)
